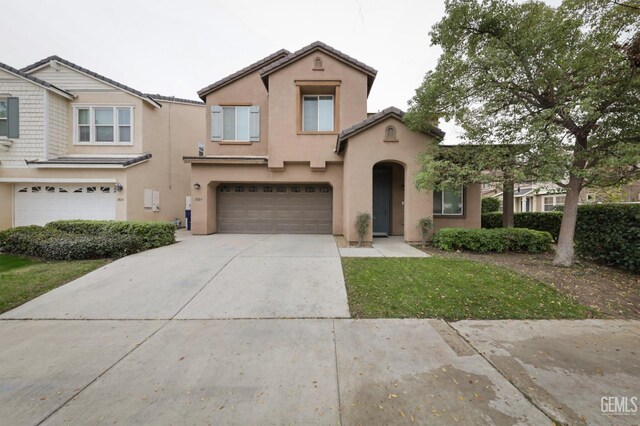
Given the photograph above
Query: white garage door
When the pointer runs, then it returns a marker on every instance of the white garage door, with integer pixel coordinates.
(39, 204)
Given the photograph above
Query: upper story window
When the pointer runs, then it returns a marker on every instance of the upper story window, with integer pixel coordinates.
(103, 125)
(317, 112)
(9, 118)
(448, 202)
(235, 123)
(317, 106)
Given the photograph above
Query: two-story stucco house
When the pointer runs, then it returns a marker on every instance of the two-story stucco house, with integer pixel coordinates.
(77, 145)
(291, 149)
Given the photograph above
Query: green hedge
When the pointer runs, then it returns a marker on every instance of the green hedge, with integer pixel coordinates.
(52, 244)
(490, 204)
(493, 240)
(152, 234)
(540, 221)
(610, 233)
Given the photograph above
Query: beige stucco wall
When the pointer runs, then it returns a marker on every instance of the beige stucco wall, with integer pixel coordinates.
(248, 90)
(170, 133)
(364, 151)
(210, 176)
(285, 142)
(472, 211)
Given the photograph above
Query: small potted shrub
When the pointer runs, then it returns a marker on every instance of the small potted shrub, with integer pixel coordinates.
(425, 225)
(363, 220)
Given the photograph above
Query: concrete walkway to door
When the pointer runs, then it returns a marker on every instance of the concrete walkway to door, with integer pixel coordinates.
(222, 276)
(384, 247)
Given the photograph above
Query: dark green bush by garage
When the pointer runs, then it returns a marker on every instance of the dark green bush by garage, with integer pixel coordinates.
(493, 240)
(76, 240)
(152, 234)
(610, 234)
(540, 221)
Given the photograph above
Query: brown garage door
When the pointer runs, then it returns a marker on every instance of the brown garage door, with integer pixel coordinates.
(274, 208)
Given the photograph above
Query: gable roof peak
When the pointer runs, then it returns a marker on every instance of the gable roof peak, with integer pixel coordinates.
(315, 46)
(37, 81)
(46, 61)
(202, 93)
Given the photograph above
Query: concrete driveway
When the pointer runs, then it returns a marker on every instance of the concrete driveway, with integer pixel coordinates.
(218, 276)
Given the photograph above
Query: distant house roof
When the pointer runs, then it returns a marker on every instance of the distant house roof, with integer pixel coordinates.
(43, 62)
(521, 192)
(116, 161)
(36, 81)
(313, 47)
(173, 99)
(243, 72)
(373, 120)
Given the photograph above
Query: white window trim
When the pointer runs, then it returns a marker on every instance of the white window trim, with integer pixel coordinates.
(555, 201)
(333, 112)
(235, 111)
(6, 119)
(442, 204)
(92, 126)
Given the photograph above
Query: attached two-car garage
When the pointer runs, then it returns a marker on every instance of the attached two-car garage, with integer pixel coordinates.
(274, 208)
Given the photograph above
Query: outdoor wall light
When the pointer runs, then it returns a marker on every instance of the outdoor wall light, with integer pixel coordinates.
(119, 187)
(196, 185)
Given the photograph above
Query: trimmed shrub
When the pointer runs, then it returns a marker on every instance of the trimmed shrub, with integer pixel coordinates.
(610, 233)
(53, 244)
(493, 240)
(540, 221)
(152, 234)
(490, 204)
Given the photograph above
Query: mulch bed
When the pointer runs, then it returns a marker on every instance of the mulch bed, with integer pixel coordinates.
(615, 293)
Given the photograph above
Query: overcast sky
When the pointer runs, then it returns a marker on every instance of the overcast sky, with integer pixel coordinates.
(178, 47)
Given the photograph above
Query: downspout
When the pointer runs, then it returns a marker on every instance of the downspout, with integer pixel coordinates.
(46, 124)
(170, 145)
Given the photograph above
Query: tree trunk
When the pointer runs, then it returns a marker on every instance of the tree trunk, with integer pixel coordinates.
(564, 251)
(507, 204)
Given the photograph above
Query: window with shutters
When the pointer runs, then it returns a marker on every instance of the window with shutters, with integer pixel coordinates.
(235, 123)
(9, 118)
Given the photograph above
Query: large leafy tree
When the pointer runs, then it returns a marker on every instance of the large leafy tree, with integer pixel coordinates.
(563, 81)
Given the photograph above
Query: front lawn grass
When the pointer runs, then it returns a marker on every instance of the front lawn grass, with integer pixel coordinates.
(22, 278)
(453, 289)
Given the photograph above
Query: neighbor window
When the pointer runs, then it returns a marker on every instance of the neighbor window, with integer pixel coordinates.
(552, 202)
(317, 112)
(235, 123)
(4, 126)
(103, 124)
(448, 202)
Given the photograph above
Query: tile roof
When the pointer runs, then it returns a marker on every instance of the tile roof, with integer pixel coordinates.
(34, 79)
(173, 99)
(372, 120)
(243, 72)
(97, 161)
(318, 45)
(95, 75)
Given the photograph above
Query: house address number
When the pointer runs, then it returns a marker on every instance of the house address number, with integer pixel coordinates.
(198, 199)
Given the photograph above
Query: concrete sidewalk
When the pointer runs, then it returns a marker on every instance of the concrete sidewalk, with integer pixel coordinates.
(316, 371)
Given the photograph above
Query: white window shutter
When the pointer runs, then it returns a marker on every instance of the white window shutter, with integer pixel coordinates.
(216, 123)
(254, 124)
